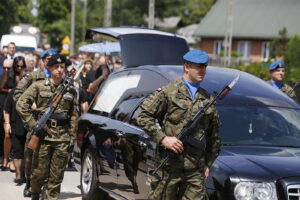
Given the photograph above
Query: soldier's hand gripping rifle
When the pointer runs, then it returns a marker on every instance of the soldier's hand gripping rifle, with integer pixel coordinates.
(185, 134)
(38, 129)
(295, 86)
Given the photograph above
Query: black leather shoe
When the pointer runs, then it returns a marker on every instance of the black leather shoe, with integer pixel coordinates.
(3, 168)
(35, 197)
(26, 191)
(20, 181)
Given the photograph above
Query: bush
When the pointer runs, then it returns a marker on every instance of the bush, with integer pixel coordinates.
(260, 70)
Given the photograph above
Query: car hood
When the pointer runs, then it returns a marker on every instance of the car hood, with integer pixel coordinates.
(261, 162)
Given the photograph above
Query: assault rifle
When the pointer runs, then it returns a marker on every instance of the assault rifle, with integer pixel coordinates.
(39, 128)
(185, 134)
(295, 86)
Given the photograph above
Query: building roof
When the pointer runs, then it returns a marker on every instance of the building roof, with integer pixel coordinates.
(187, 32)
(252, 19)
(167, 22)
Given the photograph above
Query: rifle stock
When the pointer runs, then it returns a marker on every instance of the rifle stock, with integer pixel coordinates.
(33, 142)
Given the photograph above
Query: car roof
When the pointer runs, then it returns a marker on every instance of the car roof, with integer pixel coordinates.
(250, 90)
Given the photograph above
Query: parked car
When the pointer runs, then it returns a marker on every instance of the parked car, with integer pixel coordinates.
(260, 131)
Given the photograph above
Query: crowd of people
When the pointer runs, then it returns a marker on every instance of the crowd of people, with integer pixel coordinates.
(19, 73)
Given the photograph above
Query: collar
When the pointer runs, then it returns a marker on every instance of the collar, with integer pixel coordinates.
(47, 73)
(277, 85)
(183, 90)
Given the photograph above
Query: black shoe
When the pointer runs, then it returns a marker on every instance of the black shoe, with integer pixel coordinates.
(35, 196)
(3, 168)
(20, 181)
(26, 191)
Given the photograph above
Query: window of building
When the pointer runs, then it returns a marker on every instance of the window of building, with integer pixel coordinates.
(218, 47)
(265, 51)
(244, 48)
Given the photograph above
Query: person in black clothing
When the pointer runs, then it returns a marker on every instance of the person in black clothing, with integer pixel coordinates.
(95, 77)
(18, 137)
(9, 81)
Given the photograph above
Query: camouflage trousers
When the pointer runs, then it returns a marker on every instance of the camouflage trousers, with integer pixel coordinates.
(28, 157)
(178, 185)
(52, 158)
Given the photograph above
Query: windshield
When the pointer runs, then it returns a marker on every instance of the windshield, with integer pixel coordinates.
(249, 125)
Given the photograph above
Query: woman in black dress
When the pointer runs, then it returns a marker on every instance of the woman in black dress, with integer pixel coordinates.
(8, 82)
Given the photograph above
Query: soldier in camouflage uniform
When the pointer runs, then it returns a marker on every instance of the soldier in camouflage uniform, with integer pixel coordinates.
(277, 72)
(172, 107)
(40, 74)
(59, 134)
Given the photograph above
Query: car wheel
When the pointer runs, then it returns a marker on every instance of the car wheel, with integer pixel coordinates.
(88, 177)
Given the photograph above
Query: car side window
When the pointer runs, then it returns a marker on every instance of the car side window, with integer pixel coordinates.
(132, 83)
(113, 89)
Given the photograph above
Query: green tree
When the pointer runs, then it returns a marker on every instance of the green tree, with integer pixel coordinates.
(277, 46)
(292, 59)
(193, 11)
(95, 13)
(14, 12)
(53, 17)
(24, 14)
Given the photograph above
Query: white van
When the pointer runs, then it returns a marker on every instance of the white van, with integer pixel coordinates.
(23, 42)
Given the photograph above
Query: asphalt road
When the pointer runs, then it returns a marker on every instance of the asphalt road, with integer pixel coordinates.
(9, 191)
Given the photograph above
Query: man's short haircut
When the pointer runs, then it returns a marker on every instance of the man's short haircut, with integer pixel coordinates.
(12, 44)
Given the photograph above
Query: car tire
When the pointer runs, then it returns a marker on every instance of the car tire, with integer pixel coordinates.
(89, 177)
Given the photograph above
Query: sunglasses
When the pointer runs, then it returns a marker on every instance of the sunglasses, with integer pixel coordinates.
(6, 68)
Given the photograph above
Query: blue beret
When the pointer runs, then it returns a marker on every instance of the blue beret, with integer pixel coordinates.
(277, 64)
(196, 56)
(49, 52)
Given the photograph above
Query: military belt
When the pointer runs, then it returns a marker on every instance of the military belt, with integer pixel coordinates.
(52, 123)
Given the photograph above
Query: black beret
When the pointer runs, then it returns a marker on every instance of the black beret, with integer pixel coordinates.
(57, 59)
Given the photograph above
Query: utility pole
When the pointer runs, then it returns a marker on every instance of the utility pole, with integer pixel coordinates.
(107, 13)
(73, 27)
(228, 33)
(151, 14)
(84, 18)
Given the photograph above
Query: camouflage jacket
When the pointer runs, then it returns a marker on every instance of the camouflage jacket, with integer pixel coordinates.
(27, 81)
(172, 107)
(42, 92)
(287, 89)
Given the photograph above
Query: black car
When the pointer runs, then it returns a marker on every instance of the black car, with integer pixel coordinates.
(260, 131)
